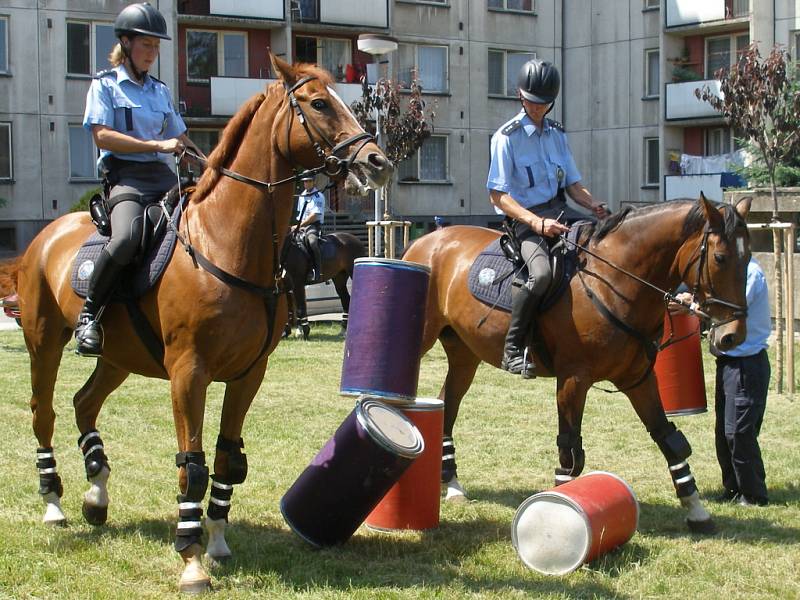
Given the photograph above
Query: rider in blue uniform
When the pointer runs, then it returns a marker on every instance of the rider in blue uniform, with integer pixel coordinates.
(135, 125)
(531, 169)
(310, 216)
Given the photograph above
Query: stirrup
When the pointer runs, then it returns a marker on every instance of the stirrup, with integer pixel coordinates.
(519, 364)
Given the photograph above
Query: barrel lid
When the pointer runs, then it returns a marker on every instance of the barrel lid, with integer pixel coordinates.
(423, 405)
(389, 427)
(551, 533)
(391, 263)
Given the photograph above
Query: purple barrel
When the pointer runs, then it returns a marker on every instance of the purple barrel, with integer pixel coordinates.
(352, 473)
(384, 334)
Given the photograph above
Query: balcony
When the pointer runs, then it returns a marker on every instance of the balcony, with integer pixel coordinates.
(690, 186)
(355, 13)
(681, 103)
(263, 9)
(680, 13)
(229, 93)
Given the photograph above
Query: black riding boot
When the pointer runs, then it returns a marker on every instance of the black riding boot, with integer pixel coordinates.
(316, 271)
(515, 358)
(89, 332)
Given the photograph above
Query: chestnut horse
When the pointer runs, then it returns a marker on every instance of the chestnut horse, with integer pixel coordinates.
(705, 246)
(211, 330)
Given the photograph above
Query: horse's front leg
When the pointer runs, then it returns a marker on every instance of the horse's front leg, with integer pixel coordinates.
(675, 448)
(571, 400)
(230, 463)
(189, 384)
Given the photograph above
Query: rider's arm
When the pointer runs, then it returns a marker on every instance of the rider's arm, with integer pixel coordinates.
(312, 218)
(509, 206)
(107, 138)
(578, 192)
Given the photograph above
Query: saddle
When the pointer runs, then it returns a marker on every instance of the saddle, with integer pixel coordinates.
(499, 265)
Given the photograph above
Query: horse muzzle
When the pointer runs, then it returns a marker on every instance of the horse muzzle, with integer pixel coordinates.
(371, 172)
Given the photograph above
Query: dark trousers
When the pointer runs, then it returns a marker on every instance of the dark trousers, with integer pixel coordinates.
(740, 400)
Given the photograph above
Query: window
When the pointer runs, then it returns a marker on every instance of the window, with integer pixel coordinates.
(427, 164)
(652, 73)
(721, 50)
(206, 139)
(82, 154)
(719, 140)
(651, 163)
(652, 3)
(504, 65)
(6, 165)
(88, 47)
(3, 44)
(215, 53)
(332, 54)
(428, 63)
(794, 42)
(521, 5)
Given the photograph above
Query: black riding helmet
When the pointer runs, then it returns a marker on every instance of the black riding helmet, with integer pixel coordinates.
(141, 19)
(538, 81)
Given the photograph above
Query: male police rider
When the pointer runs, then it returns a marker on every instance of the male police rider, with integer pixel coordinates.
(311, 214)
(531, 168)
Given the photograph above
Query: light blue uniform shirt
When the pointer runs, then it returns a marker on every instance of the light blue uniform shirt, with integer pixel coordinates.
(314, 203)
(141, 111)
(525, 162)
(758, 320)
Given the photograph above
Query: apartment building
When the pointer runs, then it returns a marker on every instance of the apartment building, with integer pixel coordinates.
(629, 71)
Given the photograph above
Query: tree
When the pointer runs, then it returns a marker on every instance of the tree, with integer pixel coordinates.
(404, 120)
(760, 101)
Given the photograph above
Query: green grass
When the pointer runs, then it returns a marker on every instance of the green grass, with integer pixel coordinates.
(505, 438)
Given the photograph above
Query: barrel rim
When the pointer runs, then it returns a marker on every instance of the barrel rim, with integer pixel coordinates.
(380, 438)
(627, 485)
(392, 398)
(423, 405)
(391, 262)
(294, 528)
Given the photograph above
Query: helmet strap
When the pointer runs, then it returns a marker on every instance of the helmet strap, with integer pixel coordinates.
(129, 62)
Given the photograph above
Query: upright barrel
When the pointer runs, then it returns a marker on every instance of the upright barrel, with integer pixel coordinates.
(556, 531)
(679, 368)
(365, 457)
(413, 502)
(384, 333)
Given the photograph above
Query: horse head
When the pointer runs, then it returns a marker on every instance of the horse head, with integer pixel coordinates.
(323, 132)
(716, 269)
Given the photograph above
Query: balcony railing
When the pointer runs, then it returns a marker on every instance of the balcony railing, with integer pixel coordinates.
(229, 93)
(681, 103)
(359, 13)
(690, 186)
(692, 12)
(263, 9)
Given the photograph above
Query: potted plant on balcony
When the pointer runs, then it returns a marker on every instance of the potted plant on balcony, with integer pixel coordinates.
(682, 68)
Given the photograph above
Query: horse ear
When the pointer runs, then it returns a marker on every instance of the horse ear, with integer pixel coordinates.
(713, 216)
(743, 206)
(282, 69)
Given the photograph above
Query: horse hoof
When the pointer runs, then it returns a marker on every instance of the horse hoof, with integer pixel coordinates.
(94, 515)
(456, 499)
(195, 587)
(56, 522)
(706, 526)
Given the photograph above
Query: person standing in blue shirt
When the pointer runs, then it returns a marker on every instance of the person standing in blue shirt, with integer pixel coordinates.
(134, 123)
(531, 169)
(310, 217)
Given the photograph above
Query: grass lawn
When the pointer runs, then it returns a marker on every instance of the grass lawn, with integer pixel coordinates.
(506, 451)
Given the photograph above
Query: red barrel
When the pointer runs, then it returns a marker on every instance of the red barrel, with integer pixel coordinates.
(413, 502)
(556, 531)
(679, 368)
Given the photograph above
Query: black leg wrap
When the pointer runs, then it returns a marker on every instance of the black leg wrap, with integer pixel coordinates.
(219, 504)
(94, 457)
(237, 460)
(571, 457)
(196, 474)
(449, 469)
(49, 481)
(676, 449)
(190, 510)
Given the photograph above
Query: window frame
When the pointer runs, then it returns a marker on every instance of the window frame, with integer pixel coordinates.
(220, 33)
(733, 50)
(647, 183)
(505, 8)
(652, 4)
(416, 156)
(95, 154)
(6, 70)
(504, 78)
(727, 132)
(648, 93)
(416, 47)
(93, 67)
(9, 126)
(794, 45)
(318, 47)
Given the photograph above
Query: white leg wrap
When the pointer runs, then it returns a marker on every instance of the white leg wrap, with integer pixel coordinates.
(453, 492)
(697, 511)
(217, 548)
(97, 494)
(52, 513)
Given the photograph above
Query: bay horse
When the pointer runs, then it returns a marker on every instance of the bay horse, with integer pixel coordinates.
(339, 251)
(214, 325)
(703, 245)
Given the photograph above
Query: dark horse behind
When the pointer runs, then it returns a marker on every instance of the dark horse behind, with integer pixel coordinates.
(701, 244)
(339, 251)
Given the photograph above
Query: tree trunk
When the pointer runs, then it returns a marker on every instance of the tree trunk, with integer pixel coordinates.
(777, 243)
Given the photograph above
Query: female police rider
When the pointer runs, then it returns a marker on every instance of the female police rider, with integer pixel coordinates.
(531, 168)
(133, 121)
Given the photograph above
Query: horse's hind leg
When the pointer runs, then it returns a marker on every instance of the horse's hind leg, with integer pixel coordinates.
(461, 367)
(675, 448)
(230, 463)
(340, 283)
(87, 402)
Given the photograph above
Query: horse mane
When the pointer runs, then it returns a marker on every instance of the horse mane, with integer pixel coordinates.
(696, 219)
(234, 131)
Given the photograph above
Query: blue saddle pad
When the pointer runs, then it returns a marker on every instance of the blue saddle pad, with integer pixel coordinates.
(490, 277)
(146, 273)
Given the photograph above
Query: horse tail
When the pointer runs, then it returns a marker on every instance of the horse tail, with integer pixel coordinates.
(9, 271)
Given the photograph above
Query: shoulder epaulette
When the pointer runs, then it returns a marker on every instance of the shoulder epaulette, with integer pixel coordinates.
(156, 79)
(511, 127)
(556, 125)
(106, 73)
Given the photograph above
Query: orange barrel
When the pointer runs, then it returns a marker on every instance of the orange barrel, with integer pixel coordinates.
(556, 531)
(413, 502)
(679, 368)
